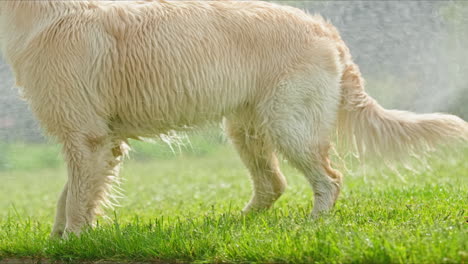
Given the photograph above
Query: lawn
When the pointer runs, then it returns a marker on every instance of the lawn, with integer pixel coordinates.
(185, 207)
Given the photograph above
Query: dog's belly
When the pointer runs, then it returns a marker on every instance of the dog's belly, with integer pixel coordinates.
(179, 108)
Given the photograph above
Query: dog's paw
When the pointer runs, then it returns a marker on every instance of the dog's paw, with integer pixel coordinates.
(57, 232)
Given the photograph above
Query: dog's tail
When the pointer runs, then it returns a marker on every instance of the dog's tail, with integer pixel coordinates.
(390, 135)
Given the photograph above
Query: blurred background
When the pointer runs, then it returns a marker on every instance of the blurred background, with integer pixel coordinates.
(413, 55)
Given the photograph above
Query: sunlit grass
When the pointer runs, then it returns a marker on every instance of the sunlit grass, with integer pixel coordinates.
(186, 207)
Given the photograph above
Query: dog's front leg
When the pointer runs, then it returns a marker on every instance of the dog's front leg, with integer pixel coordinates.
(92, 168)
(60, 216)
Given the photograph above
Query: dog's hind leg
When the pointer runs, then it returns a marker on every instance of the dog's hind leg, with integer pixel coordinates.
(325, 181)
(300, 122)
(257, 153)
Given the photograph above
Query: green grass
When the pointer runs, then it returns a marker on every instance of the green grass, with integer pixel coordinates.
(186, 208)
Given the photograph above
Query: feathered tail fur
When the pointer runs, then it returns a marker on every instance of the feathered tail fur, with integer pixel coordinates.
(390, 135)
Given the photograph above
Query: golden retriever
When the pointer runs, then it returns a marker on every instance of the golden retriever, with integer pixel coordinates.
(99, 72)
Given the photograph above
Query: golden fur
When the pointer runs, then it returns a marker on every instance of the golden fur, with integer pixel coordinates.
(96, 73)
